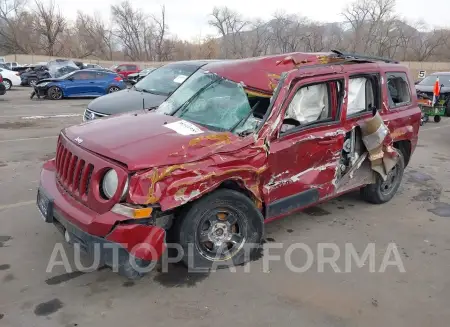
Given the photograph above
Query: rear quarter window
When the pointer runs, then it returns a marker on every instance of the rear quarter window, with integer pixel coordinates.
(398, 90)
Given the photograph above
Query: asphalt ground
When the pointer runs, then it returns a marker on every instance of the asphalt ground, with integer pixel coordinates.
(265, 292)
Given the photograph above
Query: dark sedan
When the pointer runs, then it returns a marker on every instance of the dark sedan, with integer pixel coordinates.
(426, 86)
(148, 93)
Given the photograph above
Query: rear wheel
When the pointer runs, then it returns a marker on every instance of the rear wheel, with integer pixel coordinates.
(223, 228)
(113, 89)
(437, 119)
(7, 83)
(383, 191)
(55, 93)
(447, 107)
(32, 81)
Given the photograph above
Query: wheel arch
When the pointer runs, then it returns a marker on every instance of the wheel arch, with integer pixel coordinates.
(405, 147)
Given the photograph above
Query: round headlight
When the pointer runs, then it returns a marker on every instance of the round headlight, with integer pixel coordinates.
(110, 183)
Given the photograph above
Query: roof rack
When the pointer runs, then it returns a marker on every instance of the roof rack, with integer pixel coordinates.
(357, 56)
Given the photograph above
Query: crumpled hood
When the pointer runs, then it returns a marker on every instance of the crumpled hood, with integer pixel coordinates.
(145, 140)
(124, 101)
(56, 79)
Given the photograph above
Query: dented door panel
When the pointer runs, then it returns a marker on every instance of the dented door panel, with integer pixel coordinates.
(302, 164)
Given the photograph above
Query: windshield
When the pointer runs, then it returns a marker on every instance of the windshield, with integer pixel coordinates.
(166, 79)
(212, 101)
(431, 80)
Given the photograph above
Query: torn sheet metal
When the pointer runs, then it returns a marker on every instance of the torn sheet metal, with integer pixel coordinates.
(375, 136)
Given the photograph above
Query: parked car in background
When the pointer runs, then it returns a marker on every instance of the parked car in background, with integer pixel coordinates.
(2, 86)
(148, 93)
(12, 65)
(426, 86)
(10, 78)
(126, 69)
(95, 66)
(34, 74)
(239, 144)
(136, 77)
(83, 83)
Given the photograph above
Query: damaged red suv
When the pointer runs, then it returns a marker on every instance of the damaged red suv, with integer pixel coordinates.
(239, 144)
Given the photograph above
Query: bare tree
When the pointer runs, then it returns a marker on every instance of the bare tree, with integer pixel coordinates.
(230, 25)
(288, 32)
(15, 26)
(133, 30)
(49, 25)
(257, 39)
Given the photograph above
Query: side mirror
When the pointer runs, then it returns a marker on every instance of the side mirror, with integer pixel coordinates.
(70, 78)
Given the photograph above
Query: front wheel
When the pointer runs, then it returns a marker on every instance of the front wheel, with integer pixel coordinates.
(55, 93)
(223, 228)
(383, 191)
(7, 83)
(437, 119)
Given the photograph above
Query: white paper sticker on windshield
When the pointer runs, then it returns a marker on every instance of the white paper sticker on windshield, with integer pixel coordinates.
(180, 79)
(184, 128)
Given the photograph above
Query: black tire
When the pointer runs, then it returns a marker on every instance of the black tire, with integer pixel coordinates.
(437, 119)
(377, 193)
(7, 83)
(32, 81)
(55, 93)
(447, 107)
(247, 230)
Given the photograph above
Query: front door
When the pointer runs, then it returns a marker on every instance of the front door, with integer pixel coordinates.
(304, 154)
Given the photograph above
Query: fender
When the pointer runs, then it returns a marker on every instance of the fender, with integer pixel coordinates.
(175, 185)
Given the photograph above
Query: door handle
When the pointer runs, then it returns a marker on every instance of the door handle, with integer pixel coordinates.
(329, 141)
(92, 82)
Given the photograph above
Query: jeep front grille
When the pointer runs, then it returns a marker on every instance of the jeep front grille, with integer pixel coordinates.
(73, 173)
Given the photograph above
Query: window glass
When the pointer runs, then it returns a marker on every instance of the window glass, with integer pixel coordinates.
(431, 80)
(310, 103)
(398, 89)
(360, 95)
(84, 76)
(220, 106)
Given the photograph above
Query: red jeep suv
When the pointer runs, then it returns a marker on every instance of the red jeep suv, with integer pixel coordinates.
(239, 144)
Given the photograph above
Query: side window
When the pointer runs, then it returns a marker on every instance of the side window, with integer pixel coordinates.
(398, 89)
(122, 68)
(131, 67)
(363, 94)
(310, 104)
(83, 76)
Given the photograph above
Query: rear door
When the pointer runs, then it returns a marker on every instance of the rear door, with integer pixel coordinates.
(304, 151)
(401, 112)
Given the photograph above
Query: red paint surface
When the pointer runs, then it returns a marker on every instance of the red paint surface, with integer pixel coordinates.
(171, 169)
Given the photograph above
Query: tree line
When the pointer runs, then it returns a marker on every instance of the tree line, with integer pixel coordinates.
(367, 26)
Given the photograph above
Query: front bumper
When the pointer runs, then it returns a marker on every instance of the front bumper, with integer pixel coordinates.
(109, 234)
(40, 91)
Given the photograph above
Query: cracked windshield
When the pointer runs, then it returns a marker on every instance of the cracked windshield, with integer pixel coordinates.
(214, 102)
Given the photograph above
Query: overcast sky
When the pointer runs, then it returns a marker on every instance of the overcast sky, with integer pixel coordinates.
(189, 19)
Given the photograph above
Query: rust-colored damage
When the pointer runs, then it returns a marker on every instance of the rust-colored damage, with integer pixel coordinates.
(212, 139)
(176, 185)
